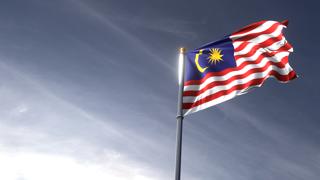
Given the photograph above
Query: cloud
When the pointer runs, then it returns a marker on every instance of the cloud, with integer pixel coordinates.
(127, 35)
(177, 27)
(39, 166)
(40, 131)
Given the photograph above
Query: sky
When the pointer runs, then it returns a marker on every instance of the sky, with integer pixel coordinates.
(88, 90)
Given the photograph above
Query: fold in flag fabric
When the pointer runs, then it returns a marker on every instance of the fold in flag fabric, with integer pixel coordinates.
(222, 70)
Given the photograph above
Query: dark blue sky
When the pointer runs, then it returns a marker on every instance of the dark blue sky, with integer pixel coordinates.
(88, 90)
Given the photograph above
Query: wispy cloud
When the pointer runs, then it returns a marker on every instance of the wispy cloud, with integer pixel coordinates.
(117, 29)
(30, 165)
(42, 130)
(176, 27)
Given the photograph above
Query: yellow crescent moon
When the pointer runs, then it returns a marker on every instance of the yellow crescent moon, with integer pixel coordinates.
(197, 62)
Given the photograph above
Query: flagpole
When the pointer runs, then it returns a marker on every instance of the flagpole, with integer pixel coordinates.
(179, 115)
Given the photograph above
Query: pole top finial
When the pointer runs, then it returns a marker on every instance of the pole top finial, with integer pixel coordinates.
(182, 50)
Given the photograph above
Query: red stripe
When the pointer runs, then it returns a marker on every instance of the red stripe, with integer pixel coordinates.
(226, 71)
(254, 35)
(286, 47)
(253, 82)
(241, 46)
(285, 22)
(228, 81)
(263, 44)
(255, 48)
(280, 64)
(271, 41)
(249, 27)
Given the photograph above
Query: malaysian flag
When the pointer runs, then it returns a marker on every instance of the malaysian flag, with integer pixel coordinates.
(221, 70)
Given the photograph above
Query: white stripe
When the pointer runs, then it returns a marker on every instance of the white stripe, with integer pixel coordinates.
(212, 103)
(190, 99)
(219, 100)
(245, 50)
(260, 28)
(236, 44)
(273, 47)
(233, 73)
(276, 58)
(263, 37)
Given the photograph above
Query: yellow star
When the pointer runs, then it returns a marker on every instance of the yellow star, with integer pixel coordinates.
(215, 56)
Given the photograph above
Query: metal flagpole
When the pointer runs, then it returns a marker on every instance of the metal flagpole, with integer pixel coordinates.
(179, 114)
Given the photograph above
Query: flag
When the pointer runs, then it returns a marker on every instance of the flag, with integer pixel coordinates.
(224, 69)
